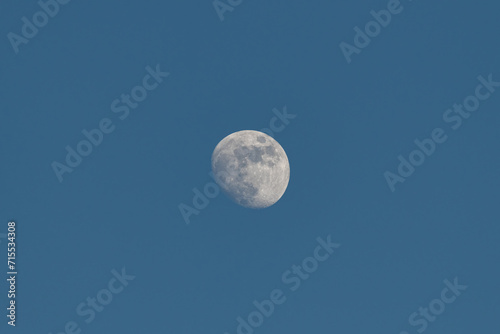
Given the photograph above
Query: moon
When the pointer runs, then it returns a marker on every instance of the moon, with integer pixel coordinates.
(251, 168)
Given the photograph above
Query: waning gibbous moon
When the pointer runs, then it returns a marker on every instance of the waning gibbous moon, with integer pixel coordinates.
(252, 168)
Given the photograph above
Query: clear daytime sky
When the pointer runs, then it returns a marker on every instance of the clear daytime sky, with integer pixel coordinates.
(118, 209)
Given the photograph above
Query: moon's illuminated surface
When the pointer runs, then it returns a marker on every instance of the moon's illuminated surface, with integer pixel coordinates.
(252, 168)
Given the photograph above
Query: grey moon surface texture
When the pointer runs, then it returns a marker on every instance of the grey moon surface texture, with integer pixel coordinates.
(251, 168)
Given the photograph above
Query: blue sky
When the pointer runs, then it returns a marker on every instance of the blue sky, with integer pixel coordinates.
(119, 208)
